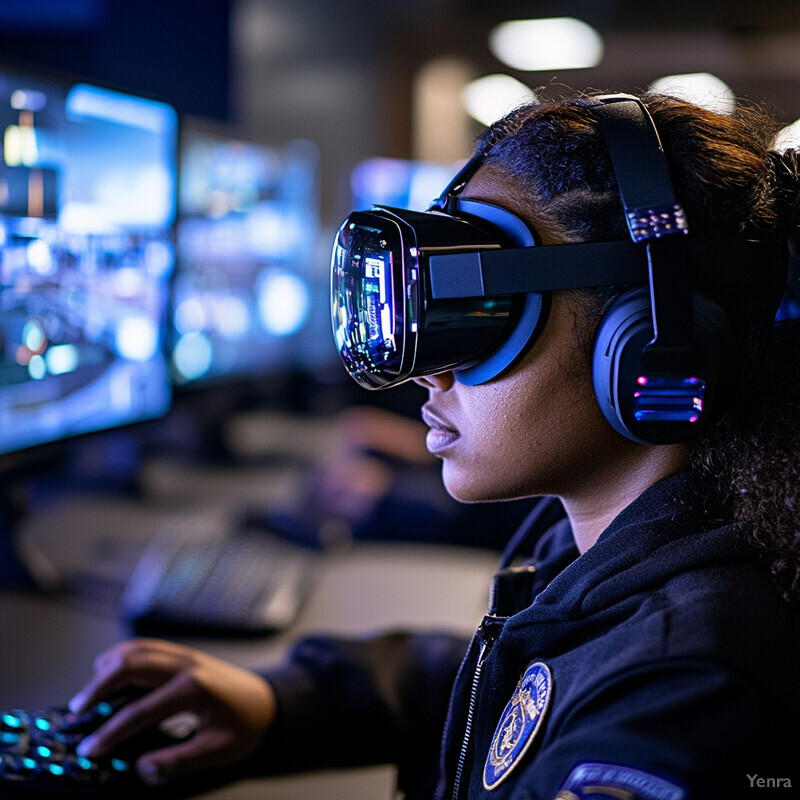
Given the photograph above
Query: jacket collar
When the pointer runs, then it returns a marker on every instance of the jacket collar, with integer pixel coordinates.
(676, 525)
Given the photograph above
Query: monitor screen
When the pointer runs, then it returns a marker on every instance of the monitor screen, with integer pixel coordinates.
(247, 231)
(87, 202)
(399, 183)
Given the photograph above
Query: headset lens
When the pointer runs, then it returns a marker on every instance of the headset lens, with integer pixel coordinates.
(387, 324)
(368, 321)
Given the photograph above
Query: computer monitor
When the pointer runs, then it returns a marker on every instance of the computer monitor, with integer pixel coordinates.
(87, 202)
(247, 231)
(401, 183)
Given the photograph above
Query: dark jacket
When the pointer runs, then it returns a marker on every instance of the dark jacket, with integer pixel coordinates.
(665, 663)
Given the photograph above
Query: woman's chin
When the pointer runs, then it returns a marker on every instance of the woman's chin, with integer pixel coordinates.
(467, 490)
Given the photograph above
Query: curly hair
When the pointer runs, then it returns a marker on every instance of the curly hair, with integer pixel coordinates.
(731, 184)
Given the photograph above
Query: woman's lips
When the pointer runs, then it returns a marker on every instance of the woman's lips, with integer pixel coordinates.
(441, 434)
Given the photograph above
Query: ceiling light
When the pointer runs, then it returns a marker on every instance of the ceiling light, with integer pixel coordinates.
(493, 96)
(788, 138)
(544, 44)
(701, 88)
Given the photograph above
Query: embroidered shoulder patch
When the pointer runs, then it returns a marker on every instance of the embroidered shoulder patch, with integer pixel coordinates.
(620, 783)
(519, 722)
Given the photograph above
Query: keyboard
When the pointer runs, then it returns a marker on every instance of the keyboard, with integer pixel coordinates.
(38, 754)
(240, 582)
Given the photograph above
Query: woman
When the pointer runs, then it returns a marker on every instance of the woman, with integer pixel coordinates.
(652, 653)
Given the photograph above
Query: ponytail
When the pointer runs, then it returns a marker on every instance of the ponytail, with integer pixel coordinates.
(754, 452)
(784, 178)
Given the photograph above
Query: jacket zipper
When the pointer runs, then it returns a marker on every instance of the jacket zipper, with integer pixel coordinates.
(486, 645)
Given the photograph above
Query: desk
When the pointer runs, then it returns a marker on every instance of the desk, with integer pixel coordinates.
(48, 642)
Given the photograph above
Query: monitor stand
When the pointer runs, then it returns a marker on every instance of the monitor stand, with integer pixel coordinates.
(21, 570)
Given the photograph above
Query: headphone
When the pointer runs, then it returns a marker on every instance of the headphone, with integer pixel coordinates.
(663, 352)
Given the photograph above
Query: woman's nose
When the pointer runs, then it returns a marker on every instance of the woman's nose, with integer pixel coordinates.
(441, 381)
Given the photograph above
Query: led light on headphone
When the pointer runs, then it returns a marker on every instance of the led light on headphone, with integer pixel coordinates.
(668, 399)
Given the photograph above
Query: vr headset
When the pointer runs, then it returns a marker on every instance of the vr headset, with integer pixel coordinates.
(465, 287)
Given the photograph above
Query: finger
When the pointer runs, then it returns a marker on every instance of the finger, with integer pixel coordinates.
(138, 715)
(205, 750)
(108, 675)
(139, 662)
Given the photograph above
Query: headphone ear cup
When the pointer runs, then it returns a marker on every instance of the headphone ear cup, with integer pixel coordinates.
(618, 362)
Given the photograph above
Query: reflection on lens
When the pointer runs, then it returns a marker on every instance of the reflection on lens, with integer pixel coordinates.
(364, 313)
(379, 333)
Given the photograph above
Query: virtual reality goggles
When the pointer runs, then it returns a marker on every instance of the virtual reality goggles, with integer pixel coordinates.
(465, 287)
(417, 293)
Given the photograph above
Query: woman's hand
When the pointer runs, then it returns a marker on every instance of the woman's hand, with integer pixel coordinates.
(234, 706)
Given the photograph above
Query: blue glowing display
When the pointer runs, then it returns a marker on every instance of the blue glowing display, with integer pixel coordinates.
(87, 201)
(247, 239)
(399, 183)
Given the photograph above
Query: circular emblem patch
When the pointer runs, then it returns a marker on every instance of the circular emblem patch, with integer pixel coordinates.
(519, 723)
